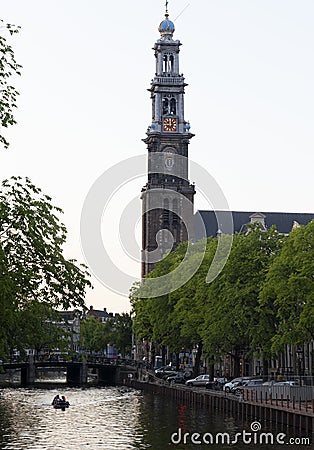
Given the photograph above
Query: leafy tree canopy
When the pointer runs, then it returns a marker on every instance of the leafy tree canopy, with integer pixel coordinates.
(31, 241)
(288, 293)
(8, 68)
(33, 268)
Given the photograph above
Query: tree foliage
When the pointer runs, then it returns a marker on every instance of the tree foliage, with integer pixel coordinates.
(288, 293)
(262, 299)
(8, 68)
(121, 333)
(95, 335)
(116, 331)
(233, 324)
(31, 244)
(37, 328)
(33, 268)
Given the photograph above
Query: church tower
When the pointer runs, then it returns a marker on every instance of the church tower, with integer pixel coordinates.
(167, 198)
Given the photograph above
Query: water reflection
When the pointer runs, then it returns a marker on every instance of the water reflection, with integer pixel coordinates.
(103, 418)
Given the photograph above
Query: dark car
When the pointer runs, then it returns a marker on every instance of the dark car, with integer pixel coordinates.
(165, 371)
(217, 384)
(176, 378)
(179, 378)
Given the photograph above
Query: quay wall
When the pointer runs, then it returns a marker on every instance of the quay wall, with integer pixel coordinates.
(295, 414)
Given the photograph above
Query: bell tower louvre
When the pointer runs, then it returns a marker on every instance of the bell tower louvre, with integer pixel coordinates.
(168, 196)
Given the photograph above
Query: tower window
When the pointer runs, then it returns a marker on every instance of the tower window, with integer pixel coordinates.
(171, 63)
(165, 63)
(173, 107)
(168, 63)
(165, 106)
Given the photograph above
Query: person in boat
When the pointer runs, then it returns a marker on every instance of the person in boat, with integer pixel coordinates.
(56, 400)
(64, 400)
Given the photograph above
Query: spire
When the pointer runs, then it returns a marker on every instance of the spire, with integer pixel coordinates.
(166, 13)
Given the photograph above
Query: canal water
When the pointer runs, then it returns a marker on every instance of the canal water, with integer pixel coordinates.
(118, 418)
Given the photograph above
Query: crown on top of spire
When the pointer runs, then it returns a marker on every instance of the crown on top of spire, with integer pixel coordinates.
(166, 27)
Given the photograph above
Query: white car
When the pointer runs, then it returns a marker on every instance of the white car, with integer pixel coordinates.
(286, 383)
(228, 386)
(201, 380)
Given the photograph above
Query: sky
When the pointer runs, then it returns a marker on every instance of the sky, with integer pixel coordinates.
(84, 106)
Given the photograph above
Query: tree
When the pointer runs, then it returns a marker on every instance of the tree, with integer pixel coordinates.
(190, 309)
(173, 320)
(288, 291)
(37, 328)
(152, 322)
(31, 240)
(121, 333)
(33, 267)
(95, 335)
(233, 324)
(8, 68)
(7, 305)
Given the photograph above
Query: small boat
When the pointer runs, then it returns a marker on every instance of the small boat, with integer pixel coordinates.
(61, 405)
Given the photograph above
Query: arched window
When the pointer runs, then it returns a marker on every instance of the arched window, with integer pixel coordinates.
(165, 106)
(171, 59)
(165, 63)
(173, 107)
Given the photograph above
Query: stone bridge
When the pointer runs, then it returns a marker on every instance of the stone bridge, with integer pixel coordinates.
(107, 371)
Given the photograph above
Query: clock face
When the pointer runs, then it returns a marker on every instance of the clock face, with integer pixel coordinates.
(170, 124)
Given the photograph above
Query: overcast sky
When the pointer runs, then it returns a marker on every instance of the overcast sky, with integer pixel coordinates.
(84, 105)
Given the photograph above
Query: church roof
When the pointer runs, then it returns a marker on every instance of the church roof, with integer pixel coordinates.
(284, 221)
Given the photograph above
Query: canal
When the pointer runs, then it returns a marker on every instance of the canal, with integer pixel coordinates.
(112, 418)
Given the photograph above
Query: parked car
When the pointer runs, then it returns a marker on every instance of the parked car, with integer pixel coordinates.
(269, 383)
(239, 389)
(239, 384)
(175, 375)
(201, 380)
(179, 378)
(217, 384)
(287, 383)
(282, 383)
(228, 386)
(165, 371)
